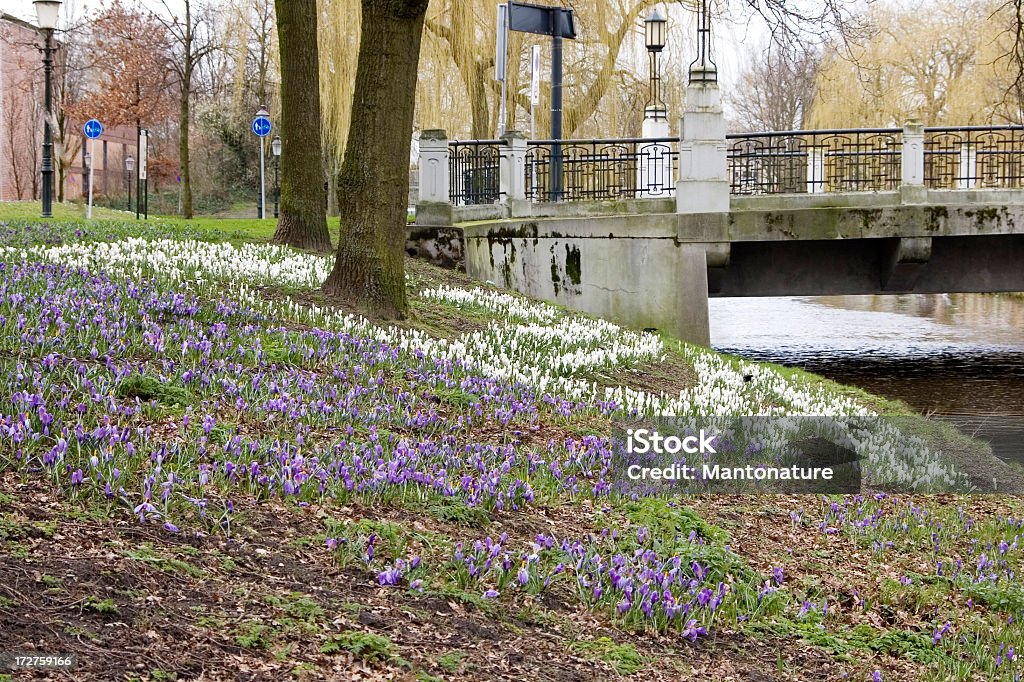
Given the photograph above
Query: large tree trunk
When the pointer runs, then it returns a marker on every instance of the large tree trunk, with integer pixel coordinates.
(373, 187)
(303, 220)
(186, 167)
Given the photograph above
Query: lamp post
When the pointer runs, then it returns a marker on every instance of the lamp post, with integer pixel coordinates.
(275, 148)
(129, 166)
(654, 32)
(702, 69)
(47, 12)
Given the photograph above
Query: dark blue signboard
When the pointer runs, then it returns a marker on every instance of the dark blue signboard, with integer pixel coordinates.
(261, 126)
(93, 129)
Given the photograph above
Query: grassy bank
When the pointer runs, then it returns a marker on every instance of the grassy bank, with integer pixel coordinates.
(208, 470)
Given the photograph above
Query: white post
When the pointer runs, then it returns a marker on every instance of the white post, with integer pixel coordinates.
(912, 189)
(434, 183)
(434, 206)
(654, 172)
(968, 166)
(512, 169)
(92, 164)
(815, 171)
(534, 89)
(263, 195)
(912, 166)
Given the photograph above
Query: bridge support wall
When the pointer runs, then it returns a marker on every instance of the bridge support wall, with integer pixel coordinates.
(646, 281)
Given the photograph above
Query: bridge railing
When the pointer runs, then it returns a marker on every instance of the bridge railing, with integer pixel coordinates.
(487, 172)
(814, 161)
(982, 157)
(474, 171)
(596, 170)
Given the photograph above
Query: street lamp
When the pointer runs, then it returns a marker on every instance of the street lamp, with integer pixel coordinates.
(275, 148)
(703, 70)
(129, 166)
(47, 12)
(654, 34)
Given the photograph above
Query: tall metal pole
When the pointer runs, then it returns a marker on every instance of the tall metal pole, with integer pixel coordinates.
(138, 167)
(263, 196)
(556, 110)
(47, 192)
(277, 187)
(703, 70)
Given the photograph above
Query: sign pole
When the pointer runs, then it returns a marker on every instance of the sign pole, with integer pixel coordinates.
(261, 127)
(92, 164)
(92, 129)
(142, 198)
(263, 196)
(534, 89)
(138, 168)
(501, 66)
(556, 115)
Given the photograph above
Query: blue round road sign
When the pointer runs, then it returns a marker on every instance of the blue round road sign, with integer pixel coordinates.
(93, 129)
(261, 126)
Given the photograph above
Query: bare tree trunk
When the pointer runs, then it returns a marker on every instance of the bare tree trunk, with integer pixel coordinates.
(373, 187)
(186, 166)
(303, 219)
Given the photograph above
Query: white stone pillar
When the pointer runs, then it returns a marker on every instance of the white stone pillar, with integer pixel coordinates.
(512, 168)
(434, 206)
(913, 153)
(815, 170)
(703, 185)
(968, 166)
(654, 170)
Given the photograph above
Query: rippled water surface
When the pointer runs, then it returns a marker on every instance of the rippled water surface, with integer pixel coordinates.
(949, 354)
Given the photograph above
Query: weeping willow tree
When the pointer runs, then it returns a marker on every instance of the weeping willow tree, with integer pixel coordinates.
(931, 62)
(457, 90)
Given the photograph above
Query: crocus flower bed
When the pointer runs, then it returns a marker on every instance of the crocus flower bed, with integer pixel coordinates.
(152, 381)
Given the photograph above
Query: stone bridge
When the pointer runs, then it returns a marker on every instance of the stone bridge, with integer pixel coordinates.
(643, 231)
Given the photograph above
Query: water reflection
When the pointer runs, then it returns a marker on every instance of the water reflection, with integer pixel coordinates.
(949, 354)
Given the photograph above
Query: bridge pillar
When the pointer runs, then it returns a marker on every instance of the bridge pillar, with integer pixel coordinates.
(512, 170)
(703, 185)
(434, 206)
(703, 188)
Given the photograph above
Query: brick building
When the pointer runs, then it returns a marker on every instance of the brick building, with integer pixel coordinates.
(21, 128)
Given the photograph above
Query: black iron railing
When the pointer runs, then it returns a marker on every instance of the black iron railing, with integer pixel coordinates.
(595, 170)
(795, 161)
(974, 157)
(811, 161)
(473, 171)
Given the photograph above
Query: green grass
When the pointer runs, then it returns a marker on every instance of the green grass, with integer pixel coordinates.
(624, 658)
(234, 230)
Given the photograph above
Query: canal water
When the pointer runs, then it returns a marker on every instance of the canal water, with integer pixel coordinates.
(956, 354)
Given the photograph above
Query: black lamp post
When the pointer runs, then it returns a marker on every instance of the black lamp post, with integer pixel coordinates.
(47, 12)
(275, 147)
(654, 33)
(129, 166)
(703, 70)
